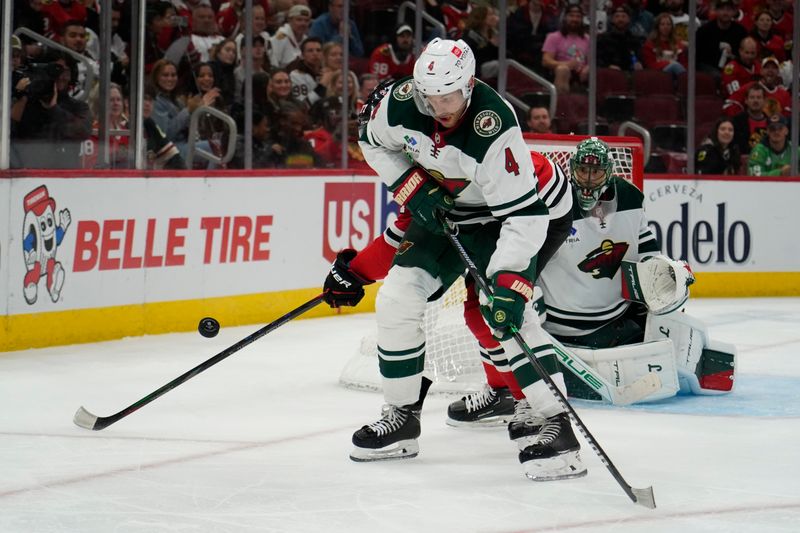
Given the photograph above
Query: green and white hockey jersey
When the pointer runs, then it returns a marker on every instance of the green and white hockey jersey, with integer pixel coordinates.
(483, 161)
(582, 283)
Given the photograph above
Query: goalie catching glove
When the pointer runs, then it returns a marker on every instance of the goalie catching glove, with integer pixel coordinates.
(343, 287)
(421, 194)
(510, 294)
(659, 282)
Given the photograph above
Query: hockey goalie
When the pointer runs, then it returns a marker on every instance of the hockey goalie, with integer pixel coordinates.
(612, 302)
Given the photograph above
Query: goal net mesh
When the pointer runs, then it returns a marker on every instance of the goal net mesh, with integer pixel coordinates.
(451, 358)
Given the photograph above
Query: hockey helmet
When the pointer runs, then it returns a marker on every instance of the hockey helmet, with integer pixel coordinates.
(591, 170)
(443, 67)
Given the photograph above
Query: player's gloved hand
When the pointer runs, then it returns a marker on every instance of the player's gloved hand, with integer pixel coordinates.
(422, 195)
(343, 287)
(511, 294)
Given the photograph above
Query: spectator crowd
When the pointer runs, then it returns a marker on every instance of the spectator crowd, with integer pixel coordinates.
(194, 56)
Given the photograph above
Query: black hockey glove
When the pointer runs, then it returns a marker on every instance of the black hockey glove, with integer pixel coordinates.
(343, 287)
(422, 195)
(511, 294)
(365, 113)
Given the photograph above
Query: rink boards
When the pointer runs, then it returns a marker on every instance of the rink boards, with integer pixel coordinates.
(91, 256)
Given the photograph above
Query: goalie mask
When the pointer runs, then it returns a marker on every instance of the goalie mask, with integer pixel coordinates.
(591, 171)
(443, 67)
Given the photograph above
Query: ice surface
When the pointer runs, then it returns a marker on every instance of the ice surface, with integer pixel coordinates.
(260, 443)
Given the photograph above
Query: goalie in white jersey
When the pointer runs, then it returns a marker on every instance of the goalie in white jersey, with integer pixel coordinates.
(445, 142)
(607, 287)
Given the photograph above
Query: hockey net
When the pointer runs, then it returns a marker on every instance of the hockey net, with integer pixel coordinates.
(452, 359)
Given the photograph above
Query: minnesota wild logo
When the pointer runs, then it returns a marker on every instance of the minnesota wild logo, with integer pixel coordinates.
(604, 261)
(404, 91)
(487, 123)
(453, 185)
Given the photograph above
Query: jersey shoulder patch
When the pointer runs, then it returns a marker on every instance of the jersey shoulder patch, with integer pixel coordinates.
(488, 117)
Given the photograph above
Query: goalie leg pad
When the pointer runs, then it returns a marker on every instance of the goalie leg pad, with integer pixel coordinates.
(705, 366)
(624, 365)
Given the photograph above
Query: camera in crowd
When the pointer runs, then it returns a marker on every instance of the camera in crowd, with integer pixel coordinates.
(43, 77)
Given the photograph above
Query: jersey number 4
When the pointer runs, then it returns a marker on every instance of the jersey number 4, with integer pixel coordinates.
(512, 167)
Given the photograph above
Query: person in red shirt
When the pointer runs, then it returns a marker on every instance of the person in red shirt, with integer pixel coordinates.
(741, 70)
(396, 59)
(777, 98)
(769, 42)
(57, 13)
(783, 22)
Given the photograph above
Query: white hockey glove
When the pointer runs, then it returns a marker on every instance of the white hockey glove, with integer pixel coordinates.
(660, 282)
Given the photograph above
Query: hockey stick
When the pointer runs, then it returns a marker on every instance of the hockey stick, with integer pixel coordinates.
(644, 496)
(628, 394)
(87, 420)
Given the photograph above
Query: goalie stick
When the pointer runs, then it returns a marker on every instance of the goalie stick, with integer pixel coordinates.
(643, 496)
(87, 420)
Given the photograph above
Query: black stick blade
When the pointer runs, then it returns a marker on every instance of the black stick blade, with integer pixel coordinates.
(645, 497)
(85, 419)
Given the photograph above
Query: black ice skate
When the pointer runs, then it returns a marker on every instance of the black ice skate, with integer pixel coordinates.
(486, 408)
(394, 436)
(555, 453)
(525, 425)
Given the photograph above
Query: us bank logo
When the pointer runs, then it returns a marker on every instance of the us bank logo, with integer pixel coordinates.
(349, 217)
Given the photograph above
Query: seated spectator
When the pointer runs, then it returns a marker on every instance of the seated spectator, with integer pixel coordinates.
(209, 94)
(394, 59)
(749, 125)
(305, 73)
(161, 152)
(719, 39)
(279, 92)
(48, 126)
(777, 98)
(229, 17)
(335, 88)
(565, 52)
(169, 109)
(680, 19)
(259, 26)
(773, 155)
(642, 20)
(718, 154)
(28, 14)
(264, 156)
(327, 138)
(290, 145)
(332, 61)
(160, 19)
(782, 20)
(618, 48)
(527, 28)
(768, 40)
(73, 36)
(57, 14)
(539, 120)
(367, 84)
(205, 34)
(326, 28)
(663, 50)
(454, 13)
(260, 62)
(741, 70)
(224, 61)
(287, 40)
(480, 33)
(117, 144)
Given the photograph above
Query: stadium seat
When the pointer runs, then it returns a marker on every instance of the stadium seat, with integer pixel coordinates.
(671, 137)
(651, 82)
(705, 85)
(654, 110)
(611, 81)
(707, 109)
(572, 108)
(618, 107)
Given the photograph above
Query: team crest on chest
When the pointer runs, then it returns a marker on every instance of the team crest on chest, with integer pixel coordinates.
(404, 91)
(487, 123)
(604, 261)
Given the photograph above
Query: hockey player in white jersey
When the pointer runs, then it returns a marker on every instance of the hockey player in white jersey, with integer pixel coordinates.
(447, 143)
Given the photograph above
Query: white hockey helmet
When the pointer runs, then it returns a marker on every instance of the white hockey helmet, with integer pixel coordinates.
(443, 67)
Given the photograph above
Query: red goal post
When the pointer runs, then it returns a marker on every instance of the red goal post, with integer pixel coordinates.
(452, 360)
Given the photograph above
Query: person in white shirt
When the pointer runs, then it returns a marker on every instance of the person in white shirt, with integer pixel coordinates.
(286, 42)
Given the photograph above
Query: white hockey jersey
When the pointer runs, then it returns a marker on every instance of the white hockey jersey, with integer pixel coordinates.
(483, 161)
(582, 281)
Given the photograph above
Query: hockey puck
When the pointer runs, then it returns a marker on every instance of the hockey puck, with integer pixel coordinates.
(208, 327)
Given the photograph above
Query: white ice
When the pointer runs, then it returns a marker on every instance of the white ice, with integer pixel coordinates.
(260, 442)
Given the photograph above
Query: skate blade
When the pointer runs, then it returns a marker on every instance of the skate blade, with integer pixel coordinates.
(403, 449)
(490, 422)
(567, 465)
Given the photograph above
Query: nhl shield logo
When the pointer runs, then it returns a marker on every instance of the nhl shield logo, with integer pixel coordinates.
(604, 261)
(404, 91)
(487, 123)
